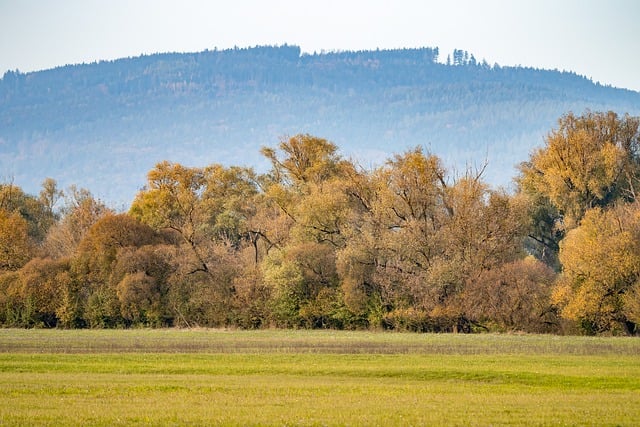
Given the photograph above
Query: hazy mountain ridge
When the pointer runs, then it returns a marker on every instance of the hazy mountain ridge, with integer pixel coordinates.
(104, 125)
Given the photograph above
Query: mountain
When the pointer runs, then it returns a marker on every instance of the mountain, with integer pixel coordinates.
(104, 125)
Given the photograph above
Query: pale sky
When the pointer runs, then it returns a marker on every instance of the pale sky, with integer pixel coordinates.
(597, 39)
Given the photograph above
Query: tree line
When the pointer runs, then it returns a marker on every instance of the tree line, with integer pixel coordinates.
(320, 242)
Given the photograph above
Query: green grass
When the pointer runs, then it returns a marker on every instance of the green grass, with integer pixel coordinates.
(210, 377)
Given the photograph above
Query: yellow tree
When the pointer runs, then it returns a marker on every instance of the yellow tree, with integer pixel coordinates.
(409, 211)
(307, 182)
(601, 266)
(43, 286)
(303, 158)
(228, 202)
(394, 241)
(209, 211)
(171, 201)
(15, 244)
(201, 205)
(140, 276)
(588, 161)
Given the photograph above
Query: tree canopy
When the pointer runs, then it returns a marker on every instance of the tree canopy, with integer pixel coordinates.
(319, 242)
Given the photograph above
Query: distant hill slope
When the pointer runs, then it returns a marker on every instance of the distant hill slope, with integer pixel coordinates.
(104, 125)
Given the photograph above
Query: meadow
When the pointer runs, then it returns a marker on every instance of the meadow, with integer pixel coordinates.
(278, 377)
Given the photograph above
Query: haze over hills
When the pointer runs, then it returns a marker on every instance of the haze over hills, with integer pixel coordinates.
(104, 125)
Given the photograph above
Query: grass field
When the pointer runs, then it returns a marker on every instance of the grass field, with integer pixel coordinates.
(212, 377)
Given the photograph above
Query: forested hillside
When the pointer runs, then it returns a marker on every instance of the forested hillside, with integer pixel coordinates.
(103, 125)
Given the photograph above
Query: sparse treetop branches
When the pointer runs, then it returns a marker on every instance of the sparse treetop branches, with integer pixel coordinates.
(303, 159)
(80, 211)
(417, 183)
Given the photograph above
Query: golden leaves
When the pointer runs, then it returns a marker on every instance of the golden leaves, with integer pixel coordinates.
(15, 246)
(582, 163)
(601, 263)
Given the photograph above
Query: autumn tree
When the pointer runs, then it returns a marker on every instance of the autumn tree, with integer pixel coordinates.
(420, 238)
(33, 210)
(303, 159)
(25, 220)
(588, 161)
(209, 210)
(514, 296)
(50, 195)
(9, 310)
(80, 211)
(15, 245)
(578, 185)
(251, 302)
(172, 201)
(601, 269)
(24, 223)
(318, 242)
(35, 295)
(96, 257)
(201, 205)
(409, 211)
(141, 276)
(99, 248)
(43, 285)
(308, 184)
